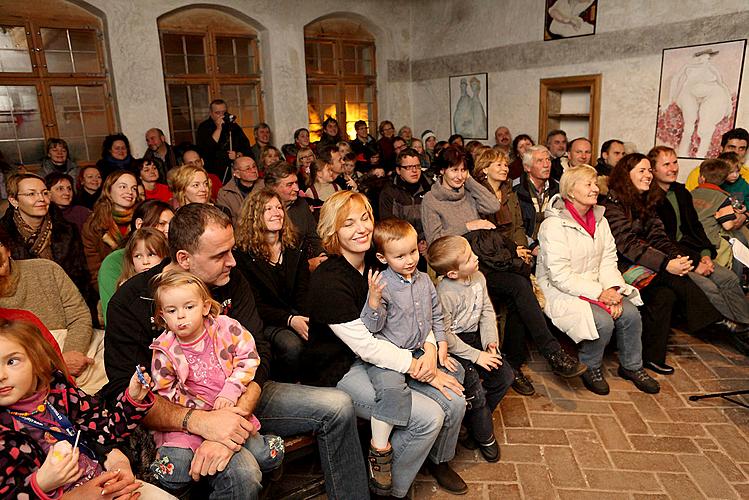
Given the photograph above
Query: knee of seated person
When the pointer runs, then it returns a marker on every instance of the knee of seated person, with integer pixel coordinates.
(337, 403)
(428, 415)
(241, 474)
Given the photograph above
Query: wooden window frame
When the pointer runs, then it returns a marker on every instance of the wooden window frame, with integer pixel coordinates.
(40, 78)
(589, 83)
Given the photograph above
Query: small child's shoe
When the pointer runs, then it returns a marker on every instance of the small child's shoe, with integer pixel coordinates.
(380, 474)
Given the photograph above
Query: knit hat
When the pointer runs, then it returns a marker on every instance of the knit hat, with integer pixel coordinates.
(426, 135)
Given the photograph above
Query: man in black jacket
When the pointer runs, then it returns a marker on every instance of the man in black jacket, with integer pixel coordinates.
(201, 240)
(221, 139)
(534, 189)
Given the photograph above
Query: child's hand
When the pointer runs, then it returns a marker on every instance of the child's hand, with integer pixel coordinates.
(489, 361)
(137, 389)
(222, 403)
(59, 468)
(444, 359)
(375, 288)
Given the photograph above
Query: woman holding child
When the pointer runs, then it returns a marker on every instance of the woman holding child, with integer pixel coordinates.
(586, 296)
(340, 286)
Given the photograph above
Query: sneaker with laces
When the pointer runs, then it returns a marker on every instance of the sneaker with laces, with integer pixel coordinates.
(522, 385)
(565, 365)
(594, 381)
(380, 474)
(641, 379)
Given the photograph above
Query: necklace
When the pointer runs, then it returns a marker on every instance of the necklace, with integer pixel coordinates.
(39, 409)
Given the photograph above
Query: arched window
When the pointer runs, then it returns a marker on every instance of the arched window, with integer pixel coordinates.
(341, 74)
(53, 81)
(208, 54)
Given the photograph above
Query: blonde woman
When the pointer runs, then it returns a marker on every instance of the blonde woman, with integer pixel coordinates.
(190, 184)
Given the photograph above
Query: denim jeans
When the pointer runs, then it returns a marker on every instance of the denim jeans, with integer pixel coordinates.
(628, 328)
(392, 395)
(291, 409)
(240, 480)
(287, 347)
(483, 391)
(432, 430)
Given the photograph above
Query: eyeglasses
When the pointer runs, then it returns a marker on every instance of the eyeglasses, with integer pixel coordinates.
(35, 194)
(411, 168)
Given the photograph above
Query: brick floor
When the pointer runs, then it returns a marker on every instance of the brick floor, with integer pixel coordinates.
(565, 442)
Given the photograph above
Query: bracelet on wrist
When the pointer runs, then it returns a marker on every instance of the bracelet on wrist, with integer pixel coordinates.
(186, 419)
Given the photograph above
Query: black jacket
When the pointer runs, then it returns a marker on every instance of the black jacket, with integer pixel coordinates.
(131, 327)
(693, 238)
(306, 227)
(527, 209)
(215, 153)
(276, 306)
(397, 201)
(67, 247)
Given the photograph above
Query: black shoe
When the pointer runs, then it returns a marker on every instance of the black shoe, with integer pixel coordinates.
(522, 385)
(642, 380)
(447, 478)
(661, 368)
(594, 381)
(490, 450)
(466, 440)
(741, 343)
(565, 365)
(733, 327)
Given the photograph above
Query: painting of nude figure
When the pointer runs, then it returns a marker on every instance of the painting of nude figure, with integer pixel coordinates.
(698, 97)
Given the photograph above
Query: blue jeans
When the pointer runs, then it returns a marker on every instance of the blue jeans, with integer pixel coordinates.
(628, 328)
(392, 395)
(240, 480)
(432, 430)
(291, 409)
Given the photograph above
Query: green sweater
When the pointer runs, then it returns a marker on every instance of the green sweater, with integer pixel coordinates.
(43, 287)
(109, 274)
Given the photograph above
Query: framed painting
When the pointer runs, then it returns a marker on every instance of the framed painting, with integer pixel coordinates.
(570, 18)
(469, 106)
(698, 97)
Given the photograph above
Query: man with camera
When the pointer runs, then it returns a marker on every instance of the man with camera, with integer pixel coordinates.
(221, 140)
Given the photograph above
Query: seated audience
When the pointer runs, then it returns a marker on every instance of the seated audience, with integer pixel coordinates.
(339, 286)
(362, 140)
(492, 171)
(406, 134)
(190, 184)
(36, 230)
(262, 135)
(42, 287)
(270, 258)
(149, 214)
(109, 223)
(579, 152)
(61, 194)
(301, 141)
(304, 161)
(148, 173)
(686, 227)
(330, 135)
(418, 146)
(88, 187)
(145, 248)
(160, 153)
(429, 140)
(611, 152)
(244, 179)
(735, 184)
(556, 142)
(115, 155)
(473, 338)
(456, 139)
(282, 178)
(386, 129)
(268, 156)
(503, 140)
(651, 261)
(520, 145)
(586, 296)
(734, 141)
(201, 239)
(29, 317)
(41, 462)
(58, 159)
(455, 206)
(535, 189)
(192, 158)
(193, 324)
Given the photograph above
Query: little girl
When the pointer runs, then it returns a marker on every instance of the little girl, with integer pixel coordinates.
(145, 248)
(204, 361)
(43, 414)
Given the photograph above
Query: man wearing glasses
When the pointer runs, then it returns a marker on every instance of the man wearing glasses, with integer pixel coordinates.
(402, 197)
(244, 180)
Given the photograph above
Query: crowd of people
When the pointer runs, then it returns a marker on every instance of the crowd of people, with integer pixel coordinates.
(172, 318)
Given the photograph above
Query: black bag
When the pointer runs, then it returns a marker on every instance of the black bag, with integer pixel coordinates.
(496, 252)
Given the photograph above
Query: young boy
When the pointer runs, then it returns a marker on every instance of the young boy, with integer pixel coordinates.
(716, 212)
(735, 184)
(472, 336)
(402, 308)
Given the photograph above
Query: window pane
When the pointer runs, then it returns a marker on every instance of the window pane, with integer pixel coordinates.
(70, 51)
(188, 106)
(242, 101)
(183, 54)
(14, 50)
(319, 57)
(81, 117)
(357, 106)
(322, 104)
(235, 56)
(21, 132)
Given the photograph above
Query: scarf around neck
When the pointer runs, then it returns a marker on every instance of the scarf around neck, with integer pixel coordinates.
(38, 240)
(120, 219)
(589, 223)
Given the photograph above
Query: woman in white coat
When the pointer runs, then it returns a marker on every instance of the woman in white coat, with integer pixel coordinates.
(586, 296)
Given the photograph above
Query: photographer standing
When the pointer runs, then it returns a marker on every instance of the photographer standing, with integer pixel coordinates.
(221, 140)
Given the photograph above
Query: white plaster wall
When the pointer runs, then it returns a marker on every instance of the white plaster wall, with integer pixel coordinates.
(132, 33)
(629, 98)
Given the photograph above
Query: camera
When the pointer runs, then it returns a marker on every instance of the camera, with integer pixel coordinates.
(229, 118)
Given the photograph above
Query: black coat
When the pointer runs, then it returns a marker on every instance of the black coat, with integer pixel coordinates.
(216, 154)
(527, 208)
(67, 247)
(693, 238)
